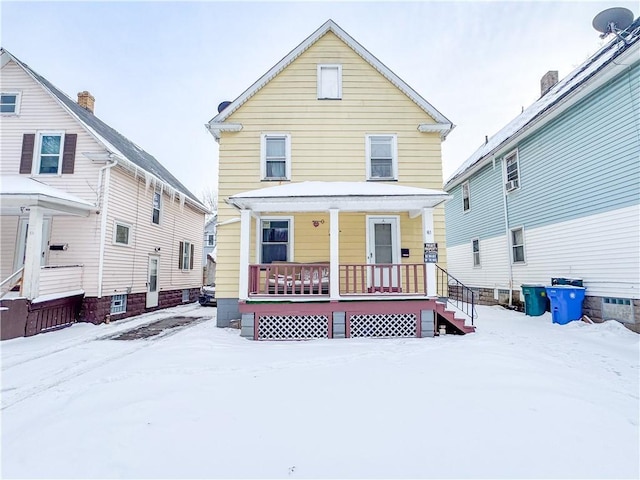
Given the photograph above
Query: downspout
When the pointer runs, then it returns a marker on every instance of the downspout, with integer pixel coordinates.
(106, 172)
(506, 230)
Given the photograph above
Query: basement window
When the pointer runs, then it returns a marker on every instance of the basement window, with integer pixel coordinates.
(118, 304)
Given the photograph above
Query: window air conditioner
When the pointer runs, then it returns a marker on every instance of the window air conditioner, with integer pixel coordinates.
(511, 185)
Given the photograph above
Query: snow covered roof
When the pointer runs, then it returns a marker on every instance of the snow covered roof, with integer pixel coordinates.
(114, 141)
(345, 196)
(442, 125)
(18, 191)
(535, 116)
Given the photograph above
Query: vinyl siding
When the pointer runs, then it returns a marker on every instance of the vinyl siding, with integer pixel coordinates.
(485, 217)
(327, 144)
(8, 239)
(131, 202)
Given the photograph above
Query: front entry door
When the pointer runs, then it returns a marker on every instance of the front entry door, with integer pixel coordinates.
(152, 282)
(21, 247)
(382, 248)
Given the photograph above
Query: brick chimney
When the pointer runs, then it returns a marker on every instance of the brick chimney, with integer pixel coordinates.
(86, 100)
(548, 81)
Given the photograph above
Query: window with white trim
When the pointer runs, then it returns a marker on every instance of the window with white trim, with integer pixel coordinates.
(211, 239)
(157, 202)
(185, 256)
(517, 245)
(329, 82)
(466, 197)
(512, 171)
(49, 153)
(9, 103)
(275, 240)
(382, 157)
(121, 233)
(475, 247)
(276, 156)
(118, 304)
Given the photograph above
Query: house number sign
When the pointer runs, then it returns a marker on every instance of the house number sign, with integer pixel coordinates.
(430, 253)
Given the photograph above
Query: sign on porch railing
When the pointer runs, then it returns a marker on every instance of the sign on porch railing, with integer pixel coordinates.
(430, 253)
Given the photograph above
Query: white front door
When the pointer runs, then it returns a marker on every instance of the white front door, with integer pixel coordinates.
(21, 247)
(152, 282)
(383, 249)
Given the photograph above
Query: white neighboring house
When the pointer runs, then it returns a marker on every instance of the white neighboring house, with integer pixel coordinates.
(209, 251)
(93, 228)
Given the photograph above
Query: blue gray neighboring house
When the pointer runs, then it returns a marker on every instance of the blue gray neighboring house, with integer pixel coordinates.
(556, 192)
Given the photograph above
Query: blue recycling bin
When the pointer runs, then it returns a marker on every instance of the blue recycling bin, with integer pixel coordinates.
(566, 303)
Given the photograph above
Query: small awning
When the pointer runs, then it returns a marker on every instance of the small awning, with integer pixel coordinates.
(344, 196)
(18, 193)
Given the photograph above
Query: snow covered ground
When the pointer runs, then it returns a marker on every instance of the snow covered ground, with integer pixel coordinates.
(521, 397)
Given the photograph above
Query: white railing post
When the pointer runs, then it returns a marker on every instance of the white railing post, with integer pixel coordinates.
(33, 254)
(245, 232)
(334, 254)
(428, 236)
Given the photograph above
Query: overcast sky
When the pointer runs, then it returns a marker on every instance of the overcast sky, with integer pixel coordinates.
(158, 70)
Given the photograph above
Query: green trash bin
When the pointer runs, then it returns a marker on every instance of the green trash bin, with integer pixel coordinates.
(535, 299)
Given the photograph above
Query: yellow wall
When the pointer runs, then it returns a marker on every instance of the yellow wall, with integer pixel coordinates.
(327, 144)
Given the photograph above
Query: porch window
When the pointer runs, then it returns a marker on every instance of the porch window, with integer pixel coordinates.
(276, 156)
(329, 82)
(157, 199)
(121, 234)
(118, 304)
(475, 246)
(512, 171)
(382, 157)
(466, 197)
(49, 153)
(185, 256)
(517, 245)
(274, 241)
(9, 103)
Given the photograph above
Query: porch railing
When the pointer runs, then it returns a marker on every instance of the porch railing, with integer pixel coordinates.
(11, 281)
(457, 294)
(396, 278)
(60, 279)
(289, 279)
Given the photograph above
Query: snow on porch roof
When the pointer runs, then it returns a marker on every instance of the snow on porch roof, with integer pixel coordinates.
(19, 190)
(345, 196)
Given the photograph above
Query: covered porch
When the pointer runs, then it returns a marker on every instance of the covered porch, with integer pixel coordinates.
(383, 284)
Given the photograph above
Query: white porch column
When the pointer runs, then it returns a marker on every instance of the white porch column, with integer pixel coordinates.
(33, 254)
(334, 254)
(245, 245)
(428, 236)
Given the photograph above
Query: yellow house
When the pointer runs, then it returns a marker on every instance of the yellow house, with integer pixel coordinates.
(330, 218)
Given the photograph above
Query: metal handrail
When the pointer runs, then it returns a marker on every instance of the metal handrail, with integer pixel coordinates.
(464, 298)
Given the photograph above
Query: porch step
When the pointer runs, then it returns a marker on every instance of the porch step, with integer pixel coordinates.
(458, 323)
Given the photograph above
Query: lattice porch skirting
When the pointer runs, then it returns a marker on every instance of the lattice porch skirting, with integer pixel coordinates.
(383, 325)
(293, 327)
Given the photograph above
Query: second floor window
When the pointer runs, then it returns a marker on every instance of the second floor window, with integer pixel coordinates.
(121, 234)
(381, 157)
(512, 171)
(211, 239)
(185, 256)
(50, 153)
(466, 197)
(276, 157)
(157, 200)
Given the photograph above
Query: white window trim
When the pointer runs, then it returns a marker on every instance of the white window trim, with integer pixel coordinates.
(512, 153)
(394, 153)
(473, 254)
(124, 304)
(465, 210)
(185, 265)
(159, 208)
(524, 249)
(259, 221)
(263, 156)
(319, 77)
(115, 231)
(36, 154)
(18, 95)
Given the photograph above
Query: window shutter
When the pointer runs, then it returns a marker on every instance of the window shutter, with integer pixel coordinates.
(191, 258)
(26, 158)
(69, 154)
(180, 254)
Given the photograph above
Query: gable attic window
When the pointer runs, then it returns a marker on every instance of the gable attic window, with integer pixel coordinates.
(512, 171)
(157, 201)
(466, 200)
(49, 153)
(382, 157)
(276, 156)
(9, 103)
(329, 82)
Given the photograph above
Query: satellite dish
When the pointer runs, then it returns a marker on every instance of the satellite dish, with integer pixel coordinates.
(223, 105)
(612, 20)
